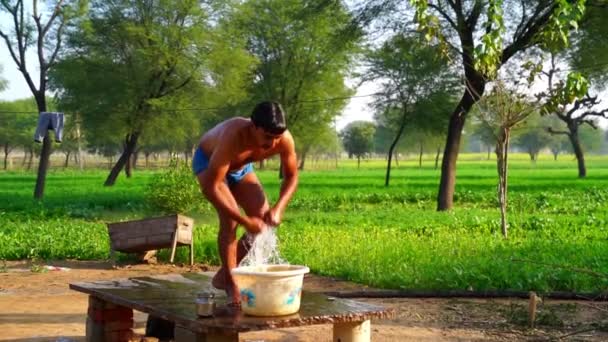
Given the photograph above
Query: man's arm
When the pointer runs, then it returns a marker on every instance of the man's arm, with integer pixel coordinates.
(217, 191)
(289, 164)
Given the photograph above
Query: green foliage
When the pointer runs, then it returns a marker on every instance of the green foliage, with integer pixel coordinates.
(3, 82)
(305, 50)
(344, 223)
(589, 53)
(534, 136)
(575, 87)
(488, 53)
(175, 190)
(358, 138)
(555, 35)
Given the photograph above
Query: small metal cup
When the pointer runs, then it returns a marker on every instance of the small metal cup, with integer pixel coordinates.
(205, 303)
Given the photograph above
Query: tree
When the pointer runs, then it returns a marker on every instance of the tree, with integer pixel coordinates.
(503, 110)
(305, 50)
(458, 26)
(3, 82)
(17, 119)
(533, 137)
(557, 143)
(589, 54)
(409, 72)
(44, 32)
(592, 139)
(485, 134)
(358, 139)
(130, 59)
(571, 102)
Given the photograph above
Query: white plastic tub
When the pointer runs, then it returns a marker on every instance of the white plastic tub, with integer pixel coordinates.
(270, 290)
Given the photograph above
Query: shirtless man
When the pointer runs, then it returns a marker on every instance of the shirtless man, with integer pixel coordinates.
(223, 166)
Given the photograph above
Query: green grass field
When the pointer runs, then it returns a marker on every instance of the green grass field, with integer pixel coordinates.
(344, 223)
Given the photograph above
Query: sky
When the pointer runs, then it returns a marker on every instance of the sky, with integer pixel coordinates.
(357, 108)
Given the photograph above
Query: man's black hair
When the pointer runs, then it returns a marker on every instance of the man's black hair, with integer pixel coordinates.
(270, 117)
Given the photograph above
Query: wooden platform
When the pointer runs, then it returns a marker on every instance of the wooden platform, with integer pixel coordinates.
(171, 297)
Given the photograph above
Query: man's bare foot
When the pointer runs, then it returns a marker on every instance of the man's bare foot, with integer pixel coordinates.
(219, 280)
(233, 296)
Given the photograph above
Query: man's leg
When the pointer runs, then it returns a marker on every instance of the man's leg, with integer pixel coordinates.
(250, 196)
(227, 245)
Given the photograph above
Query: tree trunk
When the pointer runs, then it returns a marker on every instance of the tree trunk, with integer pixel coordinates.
(67, 159)
(420, 156)
(25, 154)
(147, 157)
(358, 162)
(135, 157)
(555, 155)
(30, 160)
(303, 159)
(46, 148)
(261, 164)
(128, 165)
(76, 158)
(474, 89)
(393, 145)
(489, 152)
(6, 153)
(437, 157)
(396, 156)
(578, 150)
(43, 166)
(130, 144)
(78, 136)
(502, 150)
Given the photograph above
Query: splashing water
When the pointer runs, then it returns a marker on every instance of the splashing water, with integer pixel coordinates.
(264, 249)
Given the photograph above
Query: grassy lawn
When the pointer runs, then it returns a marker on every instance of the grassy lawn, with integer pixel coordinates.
(344, 223)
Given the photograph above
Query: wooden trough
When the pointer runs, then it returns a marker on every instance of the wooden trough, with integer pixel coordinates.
(152, 234)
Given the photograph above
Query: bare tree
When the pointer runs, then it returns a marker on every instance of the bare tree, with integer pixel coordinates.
(42, 31)
(502, 110)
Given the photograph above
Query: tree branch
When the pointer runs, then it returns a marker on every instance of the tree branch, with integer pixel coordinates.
(603, 113)
(52, 18)
(57, 46)
(444, 15)
(532, 27)
(552, 131)
(471, 21)
(590, 123)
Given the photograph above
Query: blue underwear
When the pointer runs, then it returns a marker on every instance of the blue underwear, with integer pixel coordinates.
(200, 162)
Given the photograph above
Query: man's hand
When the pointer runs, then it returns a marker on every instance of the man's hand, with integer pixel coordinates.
(273, 217)
(255, 225)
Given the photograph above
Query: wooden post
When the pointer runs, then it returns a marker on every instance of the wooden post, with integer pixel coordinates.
(192, 251)
(174, 244)
(352, 332)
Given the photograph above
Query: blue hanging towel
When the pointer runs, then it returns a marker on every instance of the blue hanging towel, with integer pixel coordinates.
(52, 121)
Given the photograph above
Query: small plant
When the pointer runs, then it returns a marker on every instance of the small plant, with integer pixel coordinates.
(35, 262)
(175, 190)
(3, 267)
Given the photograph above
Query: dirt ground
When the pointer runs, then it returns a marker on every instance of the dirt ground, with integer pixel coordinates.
(38, 306)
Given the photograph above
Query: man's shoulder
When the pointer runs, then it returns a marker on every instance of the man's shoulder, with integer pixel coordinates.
(233, 125)
(287, 140)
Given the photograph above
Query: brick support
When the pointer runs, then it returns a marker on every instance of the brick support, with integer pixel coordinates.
(108, 322)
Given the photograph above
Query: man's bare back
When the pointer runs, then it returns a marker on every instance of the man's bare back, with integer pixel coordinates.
(235, 133)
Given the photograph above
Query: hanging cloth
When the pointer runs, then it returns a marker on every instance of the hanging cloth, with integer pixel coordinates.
(49, 121)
